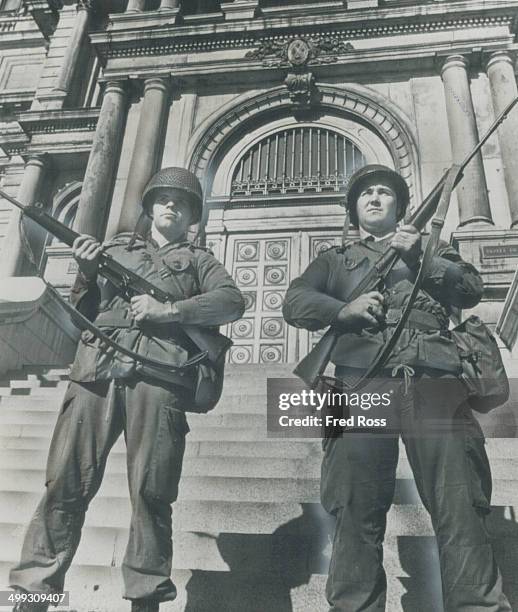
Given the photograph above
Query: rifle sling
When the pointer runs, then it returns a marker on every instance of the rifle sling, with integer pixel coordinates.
(83, 323)
(431, 248)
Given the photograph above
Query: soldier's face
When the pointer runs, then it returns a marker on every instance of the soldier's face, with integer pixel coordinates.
(172, 215)
(377, 208)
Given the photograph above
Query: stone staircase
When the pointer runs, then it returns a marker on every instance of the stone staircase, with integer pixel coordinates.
(249, 533)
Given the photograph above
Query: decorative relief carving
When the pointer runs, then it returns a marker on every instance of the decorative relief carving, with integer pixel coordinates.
(248, 251)
(276, 249)
(246, 276)
(250, 298)
(300, 51)
(274, 275)
(244, 328)
(272, 328)
(272, 300)
(272, 353)
(241, 354)
(318, 245)
(303, 91)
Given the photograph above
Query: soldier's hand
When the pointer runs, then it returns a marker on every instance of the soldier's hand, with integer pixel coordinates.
(364, 311)
(86, 250)
(407, 240)
(145, 309)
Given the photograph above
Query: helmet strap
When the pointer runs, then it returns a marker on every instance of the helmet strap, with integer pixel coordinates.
(140, 227)
(345, 231)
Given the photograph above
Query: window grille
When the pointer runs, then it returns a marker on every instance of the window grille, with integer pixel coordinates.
(297, 160)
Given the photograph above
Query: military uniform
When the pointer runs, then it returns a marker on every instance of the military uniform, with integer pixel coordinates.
(108, 396)
(450, 466)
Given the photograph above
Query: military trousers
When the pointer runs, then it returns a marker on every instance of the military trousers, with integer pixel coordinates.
(92, 417)
(445, 449)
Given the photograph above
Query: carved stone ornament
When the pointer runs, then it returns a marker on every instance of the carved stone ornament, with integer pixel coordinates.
(300, 51)
(301, 86)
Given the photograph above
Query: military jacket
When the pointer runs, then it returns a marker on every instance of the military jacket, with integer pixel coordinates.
(204, 293)
(314, 300)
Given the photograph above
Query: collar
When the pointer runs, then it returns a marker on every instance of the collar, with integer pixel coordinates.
(365, 235)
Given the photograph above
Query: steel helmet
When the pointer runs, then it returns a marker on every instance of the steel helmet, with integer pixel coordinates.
(386, 175)
(176, 178)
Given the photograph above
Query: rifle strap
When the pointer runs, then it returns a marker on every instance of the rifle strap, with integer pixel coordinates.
(83, 323)
(430, 250)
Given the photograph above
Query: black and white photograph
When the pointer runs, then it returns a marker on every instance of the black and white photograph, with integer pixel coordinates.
(259, 305)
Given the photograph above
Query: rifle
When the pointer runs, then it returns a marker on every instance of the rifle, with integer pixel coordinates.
(210, 343)
(312, 367)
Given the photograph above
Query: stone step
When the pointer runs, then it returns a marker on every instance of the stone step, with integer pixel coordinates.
(19, 437)
(16, 508)
(225, 419)
(49, 400)
(224, 434)
(224, 488)
(195, 464)
(229, 448)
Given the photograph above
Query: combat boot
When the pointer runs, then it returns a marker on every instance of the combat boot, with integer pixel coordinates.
(144, 605)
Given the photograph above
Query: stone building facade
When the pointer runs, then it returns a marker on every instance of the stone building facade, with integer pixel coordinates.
(273, 104)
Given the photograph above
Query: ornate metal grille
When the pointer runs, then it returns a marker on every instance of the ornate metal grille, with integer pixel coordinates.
(297, 160)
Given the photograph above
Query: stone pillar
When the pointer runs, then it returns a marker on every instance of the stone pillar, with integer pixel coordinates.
(84, 8)
(13, 256)
(148, 145)
(472, 191)
(136, 5)
(502, 81)
(169, 4)
(102, 163)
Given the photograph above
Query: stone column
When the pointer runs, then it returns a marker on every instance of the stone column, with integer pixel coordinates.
(169, 4)
(136, 5)
(12, 257)
(102, 163)
(84, 8)
(148, 145)
(502, 81)
(472, 191)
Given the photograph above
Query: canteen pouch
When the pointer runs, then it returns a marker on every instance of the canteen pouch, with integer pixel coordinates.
(483, 371)
(209, 385)
(206, 378)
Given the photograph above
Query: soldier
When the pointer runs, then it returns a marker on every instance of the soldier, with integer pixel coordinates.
(108, 395)
(450, 466)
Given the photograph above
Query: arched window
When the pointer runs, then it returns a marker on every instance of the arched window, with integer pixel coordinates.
(65, 204)
(297, 160)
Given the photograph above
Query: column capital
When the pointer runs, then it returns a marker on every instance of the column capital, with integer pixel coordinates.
(38, 160)
(504, 55)
(454, 61)
(119, 87)
(160, 83)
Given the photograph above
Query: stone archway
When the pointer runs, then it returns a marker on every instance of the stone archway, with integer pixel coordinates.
(354, 101)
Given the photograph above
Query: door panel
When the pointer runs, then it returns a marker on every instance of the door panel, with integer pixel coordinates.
(263, 265)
